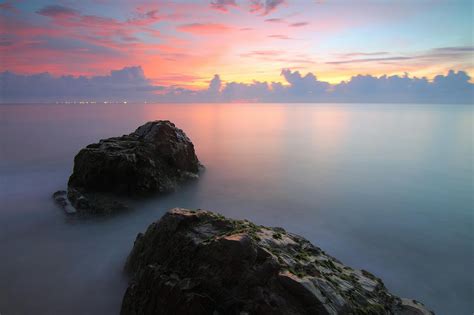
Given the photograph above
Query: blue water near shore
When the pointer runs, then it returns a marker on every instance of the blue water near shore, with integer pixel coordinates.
(386, 188)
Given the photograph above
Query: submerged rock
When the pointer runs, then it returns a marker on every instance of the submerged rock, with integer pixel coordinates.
(155, 158)
(199, 262)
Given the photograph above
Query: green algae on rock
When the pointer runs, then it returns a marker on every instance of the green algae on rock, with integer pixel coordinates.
(199, 262)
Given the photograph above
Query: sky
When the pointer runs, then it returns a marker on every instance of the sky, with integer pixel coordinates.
(173, 46)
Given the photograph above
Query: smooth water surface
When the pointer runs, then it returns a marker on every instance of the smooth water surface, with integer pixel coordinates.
(387, 188)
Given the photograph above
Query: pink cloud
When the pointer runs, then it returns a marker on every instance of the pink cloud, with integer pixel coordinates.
(264, 53)
(275, 20)
(222, 5)
(204, 28)
(145, 18)
(299, 24)
(57, 10)
(279, 36)
(264, 7)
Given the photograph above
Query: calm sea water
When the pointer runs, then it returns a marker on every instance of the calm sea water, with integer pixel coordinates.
(387, 188)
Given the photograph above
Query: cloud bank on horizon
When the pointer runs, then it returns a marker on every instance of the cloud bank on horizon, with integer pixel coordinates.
(130, 84)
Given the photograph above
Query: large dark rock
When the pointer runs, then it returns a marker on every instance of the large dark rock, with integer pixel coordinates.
(155, 158)
(199, 262)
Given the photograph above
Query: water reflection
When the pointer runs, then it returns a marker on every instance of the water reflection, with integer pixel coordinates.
(386, 188)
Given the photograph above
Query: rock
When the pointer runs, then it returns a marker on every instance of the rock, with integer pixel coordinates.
(61, 199)
(95, 203)
(199, 262)
(155, 158)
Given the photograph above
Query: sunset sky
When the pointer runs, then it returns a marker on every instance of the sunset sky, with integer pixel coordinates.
(184, 43)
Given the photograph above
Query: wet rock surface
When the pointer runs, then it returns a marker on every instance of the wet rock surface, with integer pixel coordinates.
(155, 158)
(199, 262)
(61, 199)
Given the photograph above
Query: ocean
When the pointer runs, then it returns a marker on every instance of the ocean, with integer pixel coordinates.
(382, 187)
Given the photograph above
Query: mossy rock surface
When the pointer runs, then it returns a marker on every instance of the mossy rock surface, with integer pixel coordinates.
(200, 262)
